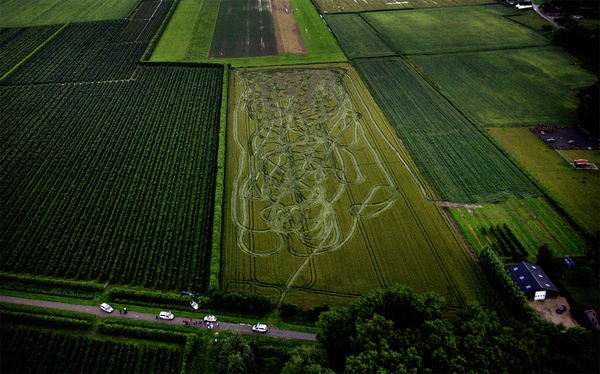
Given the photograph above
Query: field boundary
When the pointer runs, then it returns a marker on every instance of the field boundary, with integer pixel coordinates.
(24, 60)
(217, 232)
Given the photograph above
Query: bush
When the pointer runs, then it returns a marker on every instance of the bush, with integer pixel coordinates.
(247, 304)
(49, 286)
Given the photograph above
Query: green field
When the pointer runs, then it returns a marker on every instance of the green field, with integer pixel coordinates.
(18, 13)
(534, 222)
(513, 87)
(340, 6)
(322, 202)
(356, 37)
(577, 190)
(443, 30)
(457, 159)
(189, 34)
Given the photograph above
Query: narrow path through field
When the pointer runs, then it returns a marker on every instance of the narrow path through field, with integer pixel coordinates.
(237, 327)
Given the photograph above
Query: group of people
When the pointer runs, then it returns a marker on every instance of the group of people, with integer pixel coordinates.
(124, 311)
(209, 325)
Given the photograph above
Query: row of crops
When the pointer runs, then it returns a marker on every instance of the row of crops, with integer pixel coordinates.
(84, 52)
(27, 350)
(113, 181)
(532, 223)
(459, 161)
(17, 43)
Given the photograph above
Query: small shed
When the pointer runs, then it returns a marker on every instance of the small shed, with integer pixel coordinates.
(532, 280)
(582, 164)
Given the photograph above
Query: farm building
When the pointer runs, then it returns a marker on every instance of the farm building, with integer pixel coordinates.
(532, 280)
(582, 164)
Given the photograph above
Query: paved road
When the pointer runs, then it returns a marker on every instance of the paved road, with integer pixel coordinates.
(242, 328)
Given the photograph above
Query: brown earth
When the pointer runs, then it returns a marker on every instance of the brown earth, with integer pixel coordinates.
(287, 31)
(546, 310)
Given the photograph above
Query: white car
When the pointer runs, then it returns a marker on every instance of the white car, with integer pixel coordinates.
(166, 315)
(210, 319)
(260, 328)
(194, 304)
(107, 308)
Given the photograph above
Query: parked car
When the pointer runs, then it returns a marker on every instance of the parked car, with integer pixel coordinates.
(166, 315)
(194, 304)
(561, 309)
(107, 308)
(260, 328)
(210, 319)
(188, 293)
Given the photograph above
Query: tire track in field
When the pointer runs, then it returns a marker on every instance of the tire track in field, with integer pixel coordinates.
(302, 122)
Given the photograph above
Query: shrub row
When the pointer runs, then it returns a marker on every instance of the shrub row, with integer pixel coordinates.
(290, 313)
(244, 304)
(147, 298)
(9, 316)
(507, 289)
(215, 255)
(48, 286)
(27, 309)
(116, 329)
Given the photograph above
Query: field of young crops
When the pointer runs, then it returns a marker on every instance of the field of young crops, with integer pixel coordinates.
(356, 37)
(90, 51)
(322, 202)
(17, 43)
(189, 35)
(513, 87)
(458, 160)
(516, 229)
(577, 190)
(454, 29)
(18, 13)
(338, 6)
(243, 29)
(28, 350)
(108, 167)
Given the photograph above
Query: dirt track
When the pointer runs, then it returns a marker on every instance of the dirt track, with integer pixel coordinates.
(241, 328)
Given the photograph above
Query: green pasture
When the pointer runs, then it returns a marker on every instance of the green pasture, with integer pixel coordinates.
(188, 36)
(356, 37)
(534, 221)
(530, 18)
(513, 87)
(341, 6)
(189, 32)
(18, 13)
(578, 191)
(458, 160)
(326, 234)
(454, 29)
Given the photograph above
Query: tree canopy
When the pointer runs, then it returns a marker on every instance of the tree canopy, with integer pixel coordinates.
(395, 330)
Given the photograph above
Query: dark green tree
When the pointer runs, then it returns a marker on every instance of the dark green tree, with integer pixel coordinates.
(307, 360)
(236, 353)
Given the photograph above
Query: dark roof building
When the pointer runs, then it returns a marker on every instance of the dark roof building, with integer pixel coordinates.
(532, 280)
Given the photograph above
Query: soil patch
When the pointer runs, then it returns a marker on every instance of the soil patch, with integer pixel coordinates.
(546, 310)
(287, 32)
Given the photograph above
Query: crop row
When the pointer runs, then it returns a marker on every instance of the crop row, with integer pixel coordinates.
(458, 160)
(112, 181)
(54, 352)
(91, 51)
(17, 43)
